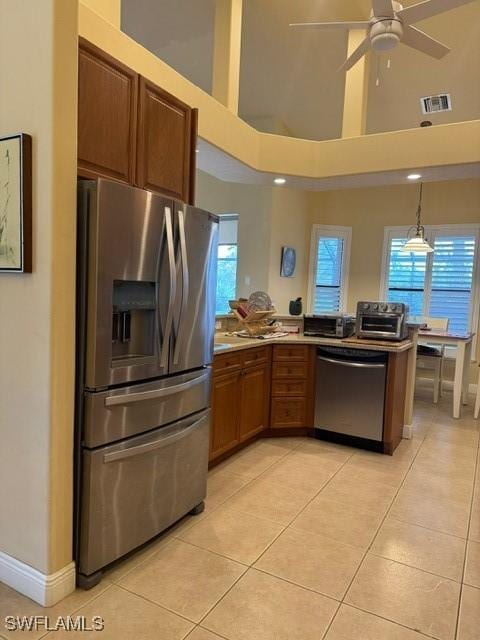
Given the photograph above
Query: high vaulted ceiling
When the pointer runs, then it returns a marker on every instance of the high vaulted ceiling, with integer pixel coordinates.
(289, 80)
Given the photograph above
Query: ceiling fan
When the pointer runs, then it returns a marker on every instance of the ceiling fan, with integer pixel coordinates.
(391, 23)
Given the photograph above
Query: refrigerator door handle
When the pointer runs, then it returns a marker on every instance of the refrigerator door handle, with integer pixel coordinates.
(151, 446)
(129, 398)
(185, 283)
(173, 287)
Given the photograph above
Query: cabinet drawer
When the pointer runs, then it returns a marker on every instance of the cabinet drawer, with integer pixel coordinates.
(289, 388)
(258, 355)
(290, 370)
(290, 352)
(226, 363)
(289, 412)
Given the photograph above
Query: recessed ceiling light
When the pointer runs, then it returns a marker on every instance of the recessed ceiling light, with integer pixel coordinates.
(414, 176)
(197, 150)
(279, 181)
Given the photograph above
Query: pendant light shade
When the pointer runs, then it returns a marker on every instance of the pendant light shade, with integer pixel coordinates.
(417, 243)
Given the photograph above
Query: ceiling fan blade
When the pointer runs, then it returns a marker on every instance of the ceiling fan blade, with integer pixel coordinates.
(383, 8)
(427, 9)
(361, 24)
(354, 57)
(422, 42)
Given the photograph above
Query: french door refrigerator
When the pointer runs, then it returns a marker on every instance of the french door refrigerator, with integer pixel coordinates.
(146, 316)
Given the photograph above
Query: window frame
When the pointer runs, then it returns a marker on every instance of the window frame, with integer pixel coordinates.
(431, 233)
(329, 231)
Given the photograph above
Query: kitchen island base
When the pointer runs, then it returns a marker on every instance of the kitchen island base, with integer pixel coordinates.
(282, 399)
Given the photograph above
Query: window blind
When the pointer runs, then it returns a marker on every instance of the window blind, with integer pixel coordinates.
(406, 277)
(328, 275)
(440, 284)
(452, 280)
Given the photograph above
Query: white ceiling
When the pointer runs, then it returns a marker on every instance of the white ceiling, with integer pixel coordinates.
(289, 79)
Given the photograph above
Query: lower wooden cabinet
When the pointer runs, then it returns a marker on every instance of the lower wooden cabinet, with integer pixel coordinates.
(240, 398)
(255, 394)
(224, 433)
(292, 387)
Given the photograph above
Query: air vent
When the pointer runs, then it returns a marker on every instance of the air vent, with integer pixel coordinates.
(434, 104)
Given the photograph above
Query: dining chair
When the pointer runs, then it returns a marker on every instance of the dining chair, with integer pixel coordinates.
(431, 357)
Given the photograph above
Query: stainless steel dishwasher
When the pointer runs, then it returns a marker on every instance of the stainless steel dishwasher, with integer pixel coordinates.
(350, 395)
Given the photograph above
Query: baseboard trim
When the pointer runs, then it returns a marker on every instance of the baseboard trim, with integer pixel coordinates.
(408, 431)
(47, 590)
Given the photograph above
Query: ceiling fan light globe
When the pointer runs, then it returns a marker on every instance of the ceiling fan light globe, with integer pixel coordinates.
(384, 41)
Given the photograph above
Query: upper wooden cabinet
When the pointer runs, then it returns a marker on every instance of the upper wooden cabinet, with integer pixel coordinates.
(107, 115)
(131, 130)
(164, 151)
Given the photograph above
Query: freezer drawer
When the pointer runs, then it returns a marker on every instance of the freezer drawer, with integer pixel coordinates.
(119, 413)
(135, 489)
(350, 393)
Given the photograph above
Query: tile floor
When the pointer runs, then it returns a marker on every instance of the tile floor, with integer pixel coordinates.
(303, 540)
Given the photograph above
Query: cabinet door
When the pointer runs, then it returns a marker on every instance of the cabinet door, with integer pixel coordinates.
(107, 115)
(255, 401)
(225, 411)
(164, 142)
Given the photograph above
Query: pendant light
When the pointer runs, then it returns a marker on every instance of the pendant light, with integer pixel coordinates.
(417, 243)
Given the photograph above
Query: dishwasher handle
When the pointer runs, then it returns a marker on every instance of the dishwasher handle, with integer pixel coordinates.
(356, 365)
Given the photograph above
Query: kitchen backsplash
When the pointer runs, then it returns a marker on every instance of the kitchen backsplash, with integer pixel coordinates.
(229, 323)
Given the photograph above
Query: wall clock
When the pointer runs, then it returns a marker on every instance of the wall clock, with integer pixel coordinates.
(288, 262)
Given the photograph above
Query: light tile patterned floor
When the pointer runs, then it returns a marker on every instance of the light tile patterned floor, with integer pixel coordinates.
(303, 540)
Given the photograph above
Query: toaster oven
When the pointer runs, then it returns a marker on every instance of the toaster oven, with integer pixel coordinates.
(329, 325)
(382, 320)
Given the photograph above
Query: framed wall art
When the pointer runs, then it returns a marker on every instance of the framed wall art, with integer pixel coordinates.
(16, 204)
(288, 262)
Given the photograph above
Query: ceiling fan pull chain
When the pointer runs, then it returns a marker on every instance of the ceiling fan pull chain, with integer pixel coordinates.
(377, 81)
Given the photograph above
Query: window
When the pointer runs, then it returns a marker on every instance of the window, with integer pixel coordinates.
(330, 255)
(227, 262)
(441, 284)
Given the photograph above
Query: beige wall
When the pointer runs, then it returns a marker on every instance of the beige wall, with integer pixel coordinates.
(290, 226)
(269, 218)
(38, 96)
(432, 146)
(368, 211)
(252, 203)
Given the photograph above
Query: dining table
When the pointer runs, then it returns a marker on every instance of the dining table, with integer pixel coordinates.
(462, 341)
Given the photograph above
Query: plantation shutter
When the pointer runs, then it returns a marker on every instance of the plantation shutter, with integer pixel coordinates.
(406, 277)
(452, 279)
(328, 274)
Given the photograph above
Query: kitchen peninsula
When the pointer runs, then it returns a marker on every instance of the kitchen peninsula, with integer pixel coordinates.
(266, 388)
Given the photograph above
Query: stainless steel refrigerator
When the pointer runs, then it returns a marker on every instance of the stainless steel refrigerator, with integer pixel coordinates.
(145, 318)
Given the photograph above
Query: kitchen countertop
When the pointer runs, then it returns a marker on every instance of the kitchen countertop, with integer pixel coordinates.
(226, 344)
